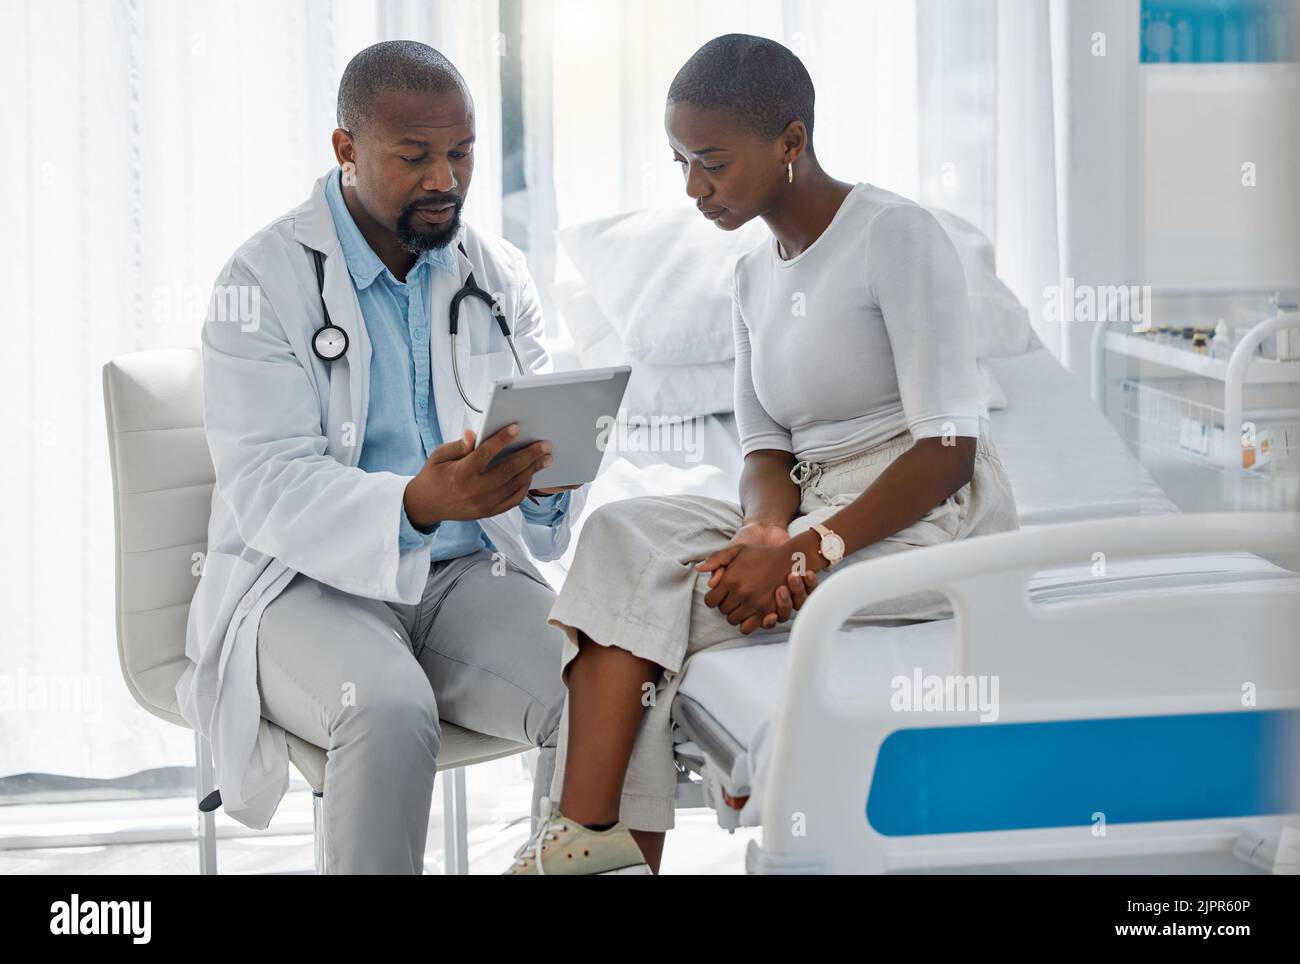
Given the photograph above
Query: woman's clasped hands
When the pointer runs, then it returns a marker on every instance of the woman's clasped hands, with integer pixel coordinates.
(759, 578)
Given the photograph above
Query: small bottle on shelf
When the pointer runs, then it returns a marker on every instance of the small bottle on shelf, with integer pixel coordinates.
(1221, 346)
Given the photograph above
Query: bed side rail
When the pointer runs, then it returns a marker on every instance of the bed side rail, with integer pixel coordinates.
(1175, 653)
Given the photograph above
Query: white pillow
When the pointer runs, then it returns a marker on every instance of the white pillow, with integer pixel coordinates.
(681, 390)
(663, 279)
(991, 391)
(1001, 321)
(674, 390)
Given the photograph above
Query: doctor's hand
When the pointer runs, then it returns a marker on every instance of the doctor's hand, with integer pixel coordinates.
(456, 483)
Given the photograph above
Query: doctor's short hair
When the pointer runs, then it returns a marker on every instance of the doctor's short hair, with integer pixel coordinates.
(753, 78)
(392, 65)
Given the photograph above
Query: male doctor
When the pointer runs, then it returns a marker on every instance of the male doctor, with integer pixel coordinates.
(367, 574)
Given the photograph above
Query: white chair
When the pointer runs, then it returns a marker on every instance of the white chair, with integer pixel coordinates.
(162, 493)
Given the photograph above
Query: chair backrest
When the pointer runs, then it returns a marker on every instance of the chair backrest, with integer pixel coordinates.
(162, 496)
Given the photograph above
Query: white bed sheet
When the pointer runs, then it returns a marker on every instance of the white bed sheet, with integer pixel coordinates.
(1065, 461)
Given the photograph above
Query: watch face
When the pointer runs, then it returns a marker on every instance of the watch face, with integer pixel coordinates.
(832, 548)
(331, 342)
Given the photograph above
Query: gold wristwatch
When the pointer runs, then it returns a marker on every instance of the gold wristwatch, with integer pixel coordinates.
(832, 546)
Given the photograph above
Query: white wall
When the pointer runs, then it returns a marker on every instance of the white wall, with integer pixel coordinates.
(1099, 116)
(1149, 164)
(1203, 224)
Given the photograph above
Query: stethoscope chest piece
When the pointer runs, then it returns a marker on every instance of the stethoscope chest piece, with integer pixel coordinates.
(330, 342)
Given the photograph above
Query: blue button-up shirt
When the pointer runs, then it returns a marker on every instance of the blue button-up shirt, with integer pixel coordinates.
(402, 421)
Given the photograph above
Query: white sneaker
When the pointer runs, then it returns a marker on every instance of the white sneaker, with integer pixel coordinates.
(561, 846)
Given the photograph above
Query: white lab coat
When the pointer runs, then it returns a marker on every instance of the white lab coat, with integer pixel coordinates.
(285, 431)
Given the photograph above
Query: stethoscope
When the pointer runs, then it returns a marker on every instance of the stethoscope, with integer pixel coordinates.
(330, 343)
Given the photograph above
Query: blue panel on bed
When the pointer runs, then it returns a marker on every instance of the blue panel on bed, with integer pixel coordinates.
(1018, 776)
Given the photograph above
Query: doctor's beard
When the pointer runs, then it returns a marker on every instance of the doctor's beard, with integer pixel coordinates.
(417, 238)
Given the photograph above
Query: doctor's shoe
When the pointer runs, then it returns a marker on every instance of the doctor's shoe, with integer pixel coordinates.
(561, 846)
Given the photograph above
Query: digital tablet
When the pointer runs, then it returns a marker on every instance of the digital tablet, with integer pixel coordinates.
(574, 411)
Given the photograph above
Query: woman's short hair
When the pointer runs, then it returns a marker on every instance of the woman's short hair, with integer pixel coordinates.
(756, 79)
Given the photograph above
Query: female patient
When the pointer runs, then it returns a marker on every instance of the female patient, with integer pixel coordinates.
(862, 431)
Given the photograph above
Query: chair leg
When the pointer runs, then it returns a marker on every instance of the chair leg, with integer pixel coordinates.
(318, 829)
(455, 823)
(206, 824)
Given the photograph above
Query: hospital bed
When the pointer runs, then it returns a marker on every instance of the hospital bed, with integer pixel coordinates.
(1147, 666)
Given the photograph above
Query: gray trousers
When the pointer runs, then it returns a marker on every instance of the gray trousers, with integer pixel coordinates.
(369, 682)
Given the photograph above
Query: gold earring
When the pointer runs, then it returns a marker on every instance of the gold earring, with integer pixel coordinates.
(789, 172)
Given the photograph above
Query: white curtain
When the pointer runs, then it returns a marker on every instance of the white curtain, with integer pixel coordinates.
(612, 63)
(146, 140)
(948, 103)
(1028, 202)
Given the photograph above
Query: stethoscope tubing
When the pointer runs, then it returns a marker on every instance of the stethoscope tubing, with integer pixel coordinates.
(469, 289)
(455, 369)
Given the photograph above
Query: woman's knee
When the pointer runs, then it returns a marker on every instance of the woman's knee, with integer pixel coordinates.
(622, 513)
(657, 519)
